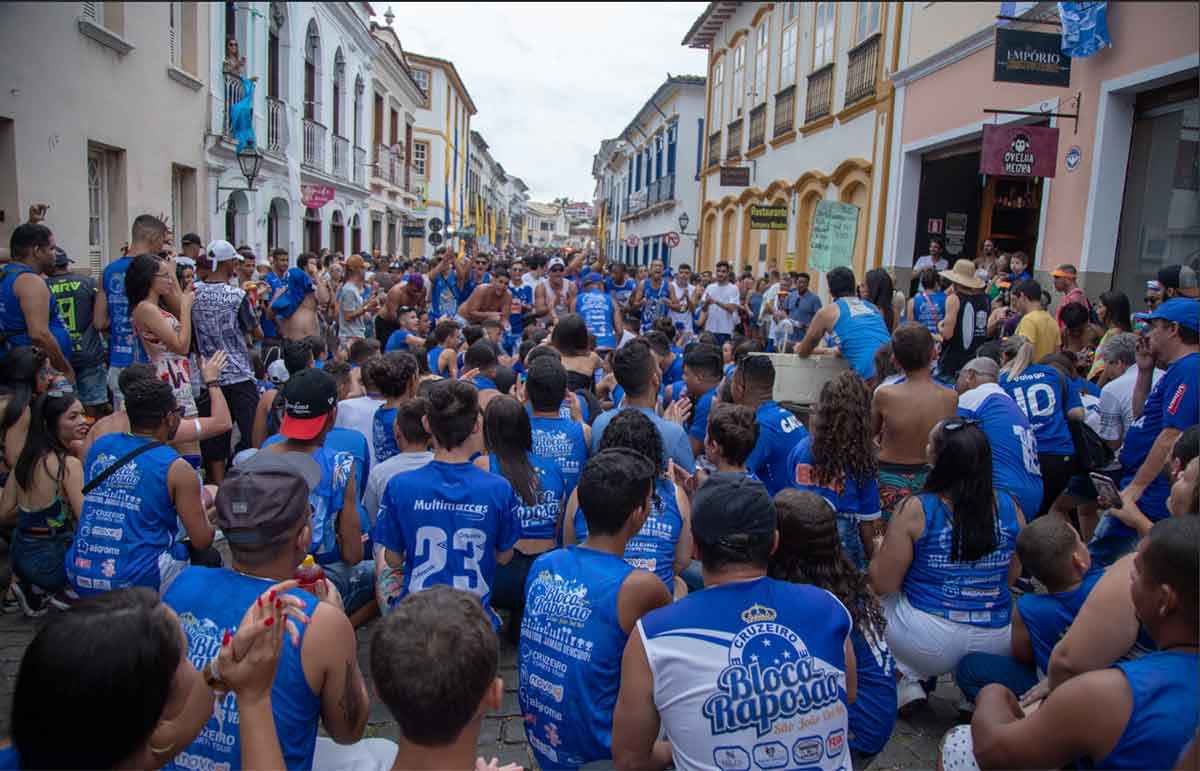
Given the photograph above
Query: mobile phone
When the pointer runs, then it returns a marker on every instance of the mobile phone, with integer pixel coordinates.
(1106, 488)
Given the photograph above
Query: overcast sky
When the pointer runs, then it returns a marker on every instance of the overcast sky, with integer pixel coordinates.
(551, 80)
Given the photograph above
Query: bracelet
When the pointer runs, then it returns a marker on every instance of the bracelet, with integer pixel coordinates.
(211, 383)
(212, 676)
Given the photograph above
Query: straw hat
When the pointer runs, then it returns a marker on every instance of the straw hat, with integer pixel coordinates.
(963, 274)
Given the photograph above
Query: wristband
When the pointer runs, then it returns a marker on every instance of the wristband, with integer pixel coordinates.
(211, 383)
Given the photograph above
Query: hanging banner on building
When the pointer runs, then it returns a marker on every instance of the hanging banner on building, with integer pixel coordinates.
(1031, 57)
(315, 196)
(735, 176)
(834, 230)
(1019, 151)
(768, 218)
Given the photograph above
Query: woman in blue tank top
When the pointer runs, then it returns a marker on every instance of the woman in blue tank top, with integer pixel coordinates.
(810, 552)
(395, 376)
(663, 545)
(508, 436)
(947, 559)
(440, 349)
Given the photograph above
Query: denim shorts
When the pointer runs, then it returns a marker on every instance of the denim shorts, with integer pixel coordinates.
(356, 583)
(40, 560)
(91, 385)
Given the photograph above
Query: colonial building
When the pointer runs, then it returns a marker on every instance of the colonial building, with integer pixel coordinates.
(799, 98)
(547, 226)
(102, 116)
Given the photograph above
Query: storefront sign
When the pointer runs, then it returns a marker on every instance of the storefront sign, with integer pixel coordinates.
(1019, 151)
(315, 196)
(413, 231)
(768, 218)
(789, 262)
(956, 232)
(1023, 56)
(735, 176)
(834, 230)
(1074, 156)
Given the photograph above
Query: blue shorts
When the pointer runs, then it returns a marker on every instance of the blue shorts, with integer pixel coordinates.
(91, 384)
(356, 583)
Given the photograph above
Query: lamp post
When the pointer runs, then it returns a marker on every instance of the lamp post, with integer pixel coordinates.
(250, 162)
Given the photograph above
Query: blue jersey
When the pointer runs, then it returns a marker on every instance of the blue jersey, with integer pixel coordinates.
(1015, 467)
(674, 372)
(974, 593)
(120, 325)
(521, 295)
(326, 501)
(751, 674)
(675, 440)
(570, 655)
(397, 341)
(561, 440)
(779, 431)
(653, 548)
(383, 433)
(1039, 391)
(128, 522)
(13, 329)
(1172, 403)
(444, 297)
(596, 308)
(540, 519)
(432, 357)
(210, 603)
(856, 497)
(1163, 716)
(929, 308)
(620, 292)
(873, 713)
(276, 283)
(860, 332)
(699, 426)
(654, 303)
(449, 520)
(343, 440)
(1048, 616)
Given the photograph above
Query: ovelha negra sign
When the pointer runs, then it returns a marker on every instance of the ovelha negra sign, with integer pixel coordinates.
(1031, 57)
(768, 218)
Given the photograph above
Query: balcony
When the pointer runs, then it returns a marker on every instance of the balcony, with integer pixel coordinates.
(758, 126)
(234, 93)
(785, 111)
(382, 168)
(862, 70)
(314, 145)
(659, 191)
(276, 126)
(820, 94)
(396, 168)
(714, 149)
(360, 165)
(341, 157)
(734, 150)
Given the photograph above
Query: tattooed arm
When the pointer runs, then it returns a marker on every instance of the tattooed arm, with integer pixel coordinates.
(330, 656)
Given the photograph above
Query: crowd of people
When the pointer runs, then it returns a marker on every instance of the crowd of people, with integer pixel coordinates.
(215, 469)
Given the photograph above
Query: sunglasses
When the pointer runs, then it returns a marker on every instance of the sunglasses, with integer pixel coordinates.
(556, 270)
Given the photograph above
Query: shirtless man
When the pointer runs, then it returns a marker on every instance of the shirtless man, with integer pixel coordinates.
(489, 302)
(555, 296)
(903, 414)
(303, 321)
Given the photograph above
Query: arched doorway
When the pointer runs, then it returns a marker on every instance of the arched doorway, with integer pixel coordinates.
(355, 234)
(278, 224)
(312, 230)
(728, 233)
(708, 240)
(312, 72)
(237, 218)
(337, 233)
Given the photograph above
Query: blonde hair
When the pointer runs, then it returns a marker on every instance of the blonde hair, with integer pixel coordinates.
(1018, 352)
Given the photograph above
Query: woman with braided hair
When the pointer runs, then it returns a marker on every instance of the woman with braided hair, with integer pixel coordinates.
(810, 552)
(837, 462)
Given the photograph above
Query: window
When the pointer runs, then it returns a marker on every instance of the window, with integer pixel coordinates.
(339, 91)
(97, 183)
(312, 71)
(787, 56)
(866, 22)
(738, 97)
(420, 152)
(658, 157)
(672, 135)
(174, 20)
(637, 172)
(761, 52)
(718, 93)
(790, 10)
(422, 79)
(823, 34)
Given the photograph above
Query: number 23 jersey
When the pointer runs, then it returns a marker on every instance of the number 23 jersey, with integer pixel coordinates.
(449, 520)
(752, 674)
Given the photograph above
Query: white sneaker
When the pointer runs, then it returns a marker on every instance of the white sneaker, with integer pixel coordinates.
(910, 696)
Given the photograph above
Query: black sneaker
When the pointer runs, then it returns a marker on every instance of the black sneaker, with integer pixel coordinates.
(33, 603)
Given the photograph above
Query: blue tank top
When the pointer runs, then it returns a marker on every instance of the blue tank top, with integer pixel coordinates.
(654, 302)
(128, 522)
(873, 713)
(929, 308)
(653, 548)
(208, 603)
(432, 357)
(274, 282)
(1048, 616)
(562, 441)
(383, 433)
(444, 297)
(596, 308)
(1164, 714)
(12, 319)
(740, 667)
(570, 655)
(779, 431)
(974, 593)
(1039, 392)
(516, 319)
(860, 331)
(326, 501)
(539, 520)
(1015, 467)
(120, 325)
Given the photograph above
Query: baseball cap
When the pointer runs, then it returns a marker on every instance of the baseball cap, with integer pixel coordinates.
(61, 260)
(1064, 271)
(265, 496)
(983, 366)
(555, 262)
(310, 394)
(185, 262)
(1177, 277)
(190, 239)
(278, 372)
(1183, 311)
(416, 281)
(733, 510)
(221, 251)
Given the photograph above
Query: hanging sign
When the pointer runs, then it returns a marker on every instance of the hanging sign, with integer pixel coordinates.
(834, 230)
(1036, 58)
(768, 218)
(435, 238)
(1019, 151)
(315, 196)
(632, 241)
(672, 239)
(735, 176)
(413, 231)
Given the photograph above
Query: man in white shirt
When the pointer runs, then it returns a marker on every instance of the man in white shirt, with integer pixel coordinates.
(720, 303)
(935, 259)
(1116, 397)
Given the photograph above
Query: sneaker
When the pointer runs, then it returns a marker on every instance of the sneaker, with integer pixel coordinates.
(64, 599)
(33, 603)
(10, 604)
(910, 697)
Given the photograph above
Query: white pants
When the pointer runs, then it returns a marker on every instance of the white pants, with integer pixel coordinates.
(925, 645)
(363, 755)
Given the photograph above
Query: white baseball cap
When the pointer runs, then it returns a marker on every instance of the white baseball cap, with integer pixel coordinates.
(555, 262)
(278, 372)
(220, 251)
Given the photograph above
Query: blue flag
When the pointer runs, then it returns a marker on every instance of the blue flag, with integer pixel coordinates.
(241, 117)
(1085, 28)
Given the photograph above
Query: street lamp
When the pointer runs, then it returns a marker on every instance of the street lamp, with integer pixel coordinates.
(249, 162)
(683, 221)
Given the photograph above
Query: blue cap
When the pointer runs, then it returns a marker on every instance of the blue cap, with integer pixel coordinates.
(593, 278)
(1179, 310)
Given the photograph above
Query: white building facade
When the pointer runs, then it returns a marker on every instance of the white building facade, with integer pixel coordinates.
(547, 225)
(313, 65)
(651, 175)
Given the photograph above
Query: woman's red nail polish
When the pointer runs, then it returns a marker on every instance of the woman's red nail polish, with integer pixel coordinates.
(260, 602)
(279, 603)
(269, 622)
(271, 596)
(226, 639)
